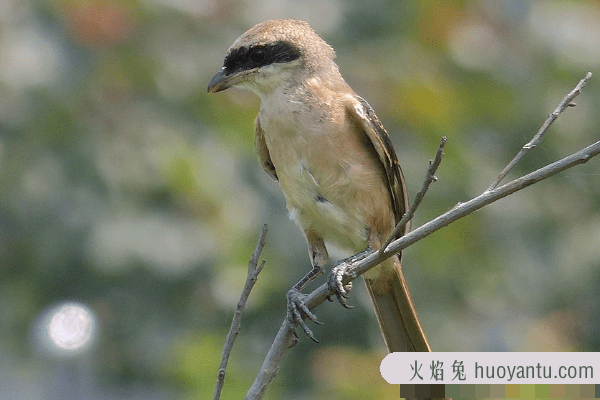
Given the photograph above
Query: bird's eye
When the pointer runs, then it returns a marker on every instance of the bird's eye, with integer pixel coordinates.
(257, 56)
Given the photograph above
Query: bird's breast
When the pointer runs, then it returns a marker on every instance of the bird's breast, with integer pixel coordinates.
(329, 182)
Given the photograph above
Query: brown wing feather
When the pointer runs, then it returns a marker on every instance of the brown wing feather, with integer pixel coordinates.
(388, 289)
(263, 151)
(362, 113)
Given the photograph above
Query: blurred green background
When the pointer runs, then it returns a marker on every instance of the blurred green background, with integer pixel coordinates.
(125, 188)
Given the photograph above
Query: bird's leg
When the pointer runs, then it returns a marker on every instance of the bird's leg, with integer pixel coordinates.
(297, 309)
(337, 274)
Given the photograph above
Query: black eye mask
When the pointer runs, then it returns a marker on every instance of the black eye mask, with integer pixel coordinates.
(245, 58)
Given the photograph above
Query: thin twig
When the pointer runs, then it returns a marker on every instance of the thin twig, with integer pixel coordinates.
(429, 179)
(562, 106)
(253, 270)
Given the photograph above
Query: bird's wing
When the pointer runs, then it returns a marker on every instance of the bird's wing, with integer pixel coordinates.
(263, 151)
(388, 290)
(363, 115)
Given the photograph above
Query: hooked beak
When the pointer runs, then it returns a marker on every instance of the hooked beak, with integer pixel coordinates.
(221, 81)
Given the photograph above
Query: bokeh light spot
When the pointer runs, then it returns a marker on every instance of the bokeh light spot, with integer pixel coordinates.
(68, 329)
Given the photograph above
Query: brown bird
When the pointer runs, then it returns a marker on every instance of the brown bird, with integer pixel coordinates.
(332, 157)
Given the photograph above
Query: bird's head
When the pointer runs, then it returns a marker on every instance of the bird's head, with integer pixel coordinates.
(272, 54)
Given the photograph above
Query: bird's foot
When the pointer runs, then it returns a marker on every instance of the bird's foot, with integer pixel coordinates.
(336, 285)
(297, 312)
(335, 281)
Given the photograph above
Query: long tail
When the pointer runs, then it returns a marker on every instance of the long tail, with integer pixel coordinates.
(394, 307)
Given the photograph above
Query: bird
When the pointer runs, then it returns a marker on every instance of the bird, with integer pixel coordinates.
(332, 157)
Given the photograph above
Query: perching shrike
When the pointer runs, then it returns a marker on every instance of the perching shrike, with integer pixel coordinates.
(334, 161)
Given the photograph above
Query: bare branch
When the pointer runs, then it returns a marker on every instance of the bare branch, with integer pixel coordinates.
(284, 340)
(562, 106)
(429, 179)
(253, 270)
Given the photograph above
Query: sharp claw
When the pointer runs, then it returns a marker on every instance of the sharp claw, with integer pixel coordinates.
(342, 298)
(298, 312)
(305, 328)
(308, 332)
(346, 306)
(311, 316)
